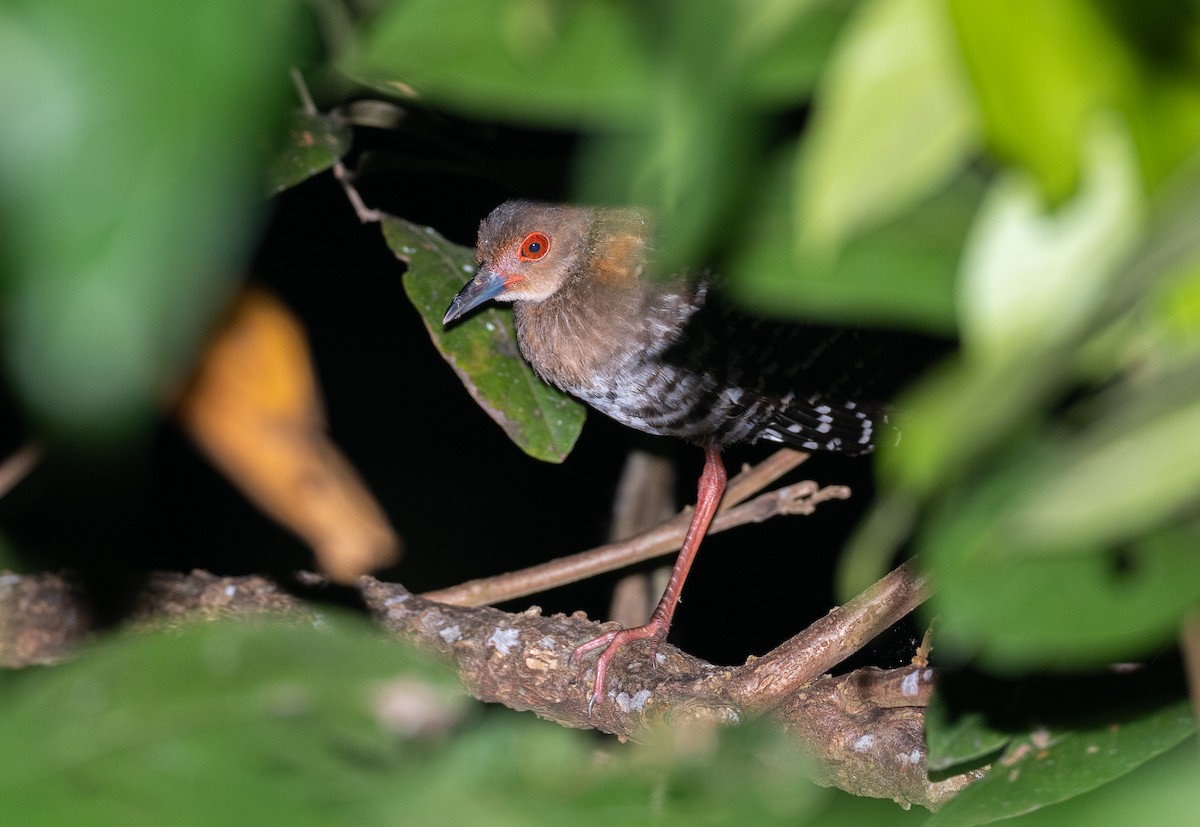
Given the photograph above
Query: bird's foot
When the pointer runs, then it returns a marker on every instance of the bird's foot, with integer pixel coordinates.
(654, 631)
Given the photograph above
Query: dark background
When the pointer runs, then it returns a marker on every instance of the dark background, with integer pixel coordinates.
(466, 502)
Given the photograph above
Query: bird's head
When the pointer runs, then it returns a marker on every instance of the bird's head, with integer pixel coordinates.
(526, 251)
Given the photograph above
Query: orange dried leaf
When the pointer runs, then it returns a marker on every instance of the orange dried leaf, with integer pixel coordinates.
(254, 408)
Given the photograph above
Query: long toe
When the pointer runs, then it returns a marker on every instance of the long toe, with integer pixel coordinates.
(612, 642)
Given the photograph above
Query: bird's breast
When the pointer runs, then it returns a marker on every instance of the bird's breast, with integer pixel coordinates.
(590, 350)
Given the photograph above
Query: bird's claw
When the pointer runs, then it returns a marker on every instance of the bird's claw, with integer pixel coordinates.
(612, 643)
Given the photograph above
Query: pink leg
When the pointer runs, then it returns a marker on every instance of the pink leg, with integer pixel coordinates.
(712, 486)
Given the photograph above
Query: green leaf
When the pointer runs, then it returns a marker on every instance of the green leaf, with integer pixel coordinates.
(1041, 70)
(1063, 739)
(955, 416)
(530, 773)
(958, 741)
(1033, 280)
(1045, 605)
(1134, 468)
(1164, 788)
(232, 722)
(893, 121)
(1163, 110)
(532, 61)
(900, 273)
(669, 100)
(685, 168)
(1167, 255)
(541, 420)
(264, 722)
(697, 147)
(786, 43)
(1173, 316)
(131, 171)
(315, 142)
(590, 63)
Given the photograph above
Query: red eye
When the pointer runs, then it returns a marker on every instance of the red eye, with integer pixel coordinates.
(534, 246)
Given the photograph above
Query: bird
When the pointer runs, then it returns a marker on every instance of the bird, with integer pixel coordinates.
(669, 355)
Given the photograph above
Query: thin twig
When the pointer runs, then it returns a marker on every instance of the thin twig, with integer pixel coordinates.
(645, 497)
(18, 465)
(365, 214)
(921, 656)
(667, 537)
(1189, 645)
(306, 99)
(764, 682)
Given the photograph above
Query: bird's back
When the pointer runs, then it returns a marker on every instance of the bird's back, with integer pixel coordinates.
(680, 361)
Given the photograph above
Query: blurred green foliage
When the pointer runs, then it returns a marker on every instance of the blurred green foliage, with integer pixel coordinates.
(1022, 174)
(240, 722)
(1047, 745)
(131, 164)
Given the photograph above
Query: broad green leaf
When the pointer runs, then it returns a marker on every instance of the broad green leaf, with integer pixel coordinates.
(960, 412)
(516, 773)
(1174, 315)
(246, 723)
(1138, 465)
(972, 715)
(1168, 253)
(786, 43)
(482, 349)
(1164, 109)
(1044, 605)
(972, 404)
(1164, 789)
(532, 61)
(231, 722)
(591, 63)
(900, 273)
(1033, 279)
(1052, 763)
(893, 121)
(315, 142)
(1041, 70)
(130, 189)
(698, 146)
(670, 101)
(960, 741)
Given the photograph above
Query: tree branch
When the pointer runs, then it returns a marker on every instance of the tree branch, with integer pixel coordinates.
(764, 682)
(863, 729)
